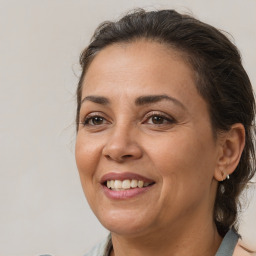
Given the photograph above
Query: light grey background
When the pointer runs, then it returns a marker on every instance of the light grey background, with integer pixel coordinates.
(43, 209)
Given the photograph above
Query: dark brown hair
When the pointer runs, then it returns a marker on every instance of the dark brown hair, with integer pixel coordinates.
(220, 78)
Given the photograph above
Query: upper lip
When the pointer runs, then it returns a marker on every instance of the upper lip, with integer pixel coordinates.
(124, 176)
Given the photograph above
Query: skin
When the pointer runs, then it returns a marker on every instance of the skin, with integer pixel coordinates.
(178, 152)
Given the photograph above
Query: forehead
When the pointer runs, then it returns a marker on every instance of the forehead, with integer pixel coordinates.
(141, 63)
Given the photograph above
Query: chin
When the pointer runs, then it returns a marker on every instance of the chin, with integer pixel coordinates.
(124, 222)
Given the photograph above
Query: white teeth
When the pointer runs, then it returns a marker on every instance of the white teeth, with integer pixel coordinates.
(134, 183)
(112, 183)
(118, 184)
(126, 184)
(140, 184)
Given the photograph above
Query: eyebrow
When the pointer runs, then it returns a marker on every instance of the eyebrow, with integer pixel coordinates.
(142, 100)
(96, 99)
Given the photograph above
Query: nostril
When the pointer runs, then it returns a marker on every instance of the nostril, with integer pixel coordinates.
(127, 156)
(119, 158)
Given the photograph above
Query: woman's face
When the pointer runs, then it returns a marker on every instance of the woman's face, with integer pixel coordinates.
(145, 128)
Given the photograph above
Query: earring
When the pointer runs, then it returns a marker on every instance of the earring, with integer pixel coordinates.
(224, 175)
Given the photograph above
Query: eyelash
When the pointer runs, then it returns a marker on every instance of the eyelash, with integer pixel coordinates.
(90, 117)
(169, 119)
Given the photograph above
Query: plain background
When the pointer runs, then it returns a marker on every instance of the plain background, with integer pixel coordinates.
(43, 209)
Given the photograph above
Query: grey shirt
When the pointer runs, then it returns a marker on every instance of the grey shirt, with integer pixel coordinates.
(226, 248)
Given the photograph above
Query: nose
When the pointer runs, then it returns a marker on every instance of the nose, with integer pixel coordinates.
(122, 145)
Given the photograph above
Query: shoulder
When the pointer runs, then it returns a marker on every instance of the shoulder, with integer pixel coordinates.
(102, 248)
(241, 250)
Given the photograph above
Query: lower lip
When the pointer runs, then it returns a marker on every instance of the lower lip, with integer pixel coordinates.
(125, 194)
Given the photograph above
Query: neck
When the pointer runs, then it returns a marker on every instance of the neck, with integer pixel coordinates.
(194, 240)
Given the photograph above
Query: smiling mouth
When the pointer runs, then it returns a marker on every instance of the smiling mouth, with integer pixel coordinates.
(119, 185)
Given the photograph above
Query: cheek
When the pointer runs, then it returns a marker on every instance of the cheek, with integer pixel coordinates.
(87, 158)
(184, 165)
(183, 158)
(88, 155)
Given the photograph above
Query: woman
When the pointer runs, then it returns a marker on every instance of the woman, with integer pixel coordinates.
(164, 146)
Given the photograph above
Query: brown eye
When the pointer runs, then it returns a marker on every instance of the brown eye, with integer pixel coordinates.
(157, 120)
(95, 120)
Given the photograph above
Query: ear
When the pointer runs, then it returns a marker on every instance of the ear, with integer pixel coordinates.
(231, 147)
